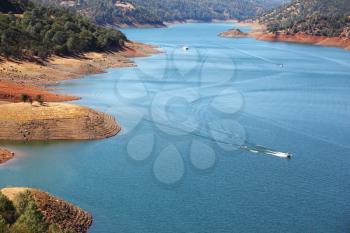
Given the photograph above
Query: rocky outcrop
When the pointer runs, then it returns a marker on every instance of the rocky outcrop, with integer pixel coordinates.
(233, 33)
(64, 215)
(5, 155)
(54, 121)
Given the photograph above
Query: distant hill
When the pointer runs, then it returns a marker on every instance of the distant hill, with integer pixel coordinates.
(329, 18)
(156, 12)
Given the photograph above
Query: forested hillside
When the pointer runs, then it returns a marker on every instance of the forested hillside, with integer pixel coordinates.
(313, 17)
(134, 12)
(42, 31)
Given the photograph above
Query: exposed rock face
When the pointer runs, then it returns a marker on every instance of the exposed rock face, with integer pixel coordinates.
(5, 155)
(54, 121)
(306, 39)
(233, 33)
(56, 211)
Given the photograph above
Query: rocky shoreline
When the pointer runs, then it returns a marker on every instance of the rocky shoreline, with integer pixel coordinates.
(18, 77)
(259, 32)
(303, 38)
(47, 120)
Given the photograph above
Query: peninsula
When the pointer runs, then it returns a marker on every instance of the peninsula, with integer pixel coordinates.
(31, 210)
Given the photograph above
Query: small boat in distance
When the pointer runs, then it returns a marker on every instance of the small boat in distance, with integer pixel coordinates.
(185, 48)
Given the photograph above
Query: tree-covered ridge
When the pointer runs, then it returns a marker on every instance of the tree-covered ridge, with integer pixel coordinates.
(112, 12)
(44, 31)
(313, 17)
(158, 11)
(23, 216)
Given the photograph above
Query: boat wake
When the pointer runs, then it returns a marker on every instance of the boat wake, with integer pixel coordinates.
(257, 149)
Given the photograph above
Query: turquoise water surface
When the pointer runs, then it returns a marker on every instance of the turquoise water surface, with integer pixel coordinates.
(204, 136)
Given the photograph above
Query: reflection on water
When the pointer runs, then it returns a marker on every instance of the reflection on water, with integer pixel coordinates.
(195, 126)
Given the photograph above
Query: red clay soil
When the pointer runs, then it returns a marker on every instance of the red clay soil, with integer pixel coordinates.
(306, 39)
(135, 49)
(12, 92)
(5, 155)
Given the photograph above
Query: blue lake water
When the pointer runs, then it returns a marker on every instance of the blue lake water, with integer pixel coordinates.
(196, 128)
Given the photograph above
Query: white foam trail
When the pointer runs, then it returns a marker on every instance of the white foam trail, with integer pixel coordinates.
(263, 150)
(278, 154)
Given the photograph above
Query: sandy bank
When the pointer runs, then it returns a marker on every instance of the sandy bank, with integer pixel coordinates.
(54, 121)
(259, 32)
(64, 215)
(5, 155)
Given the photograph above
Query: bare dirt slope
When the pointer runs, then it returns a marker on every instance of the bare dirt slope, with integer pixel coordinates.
(54, 121)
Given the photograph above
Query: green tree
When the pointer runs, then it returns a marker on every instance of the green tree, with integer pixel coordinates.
(32, 219)
(21, 201)
(24, 97)
(4, 228)
(7, 210)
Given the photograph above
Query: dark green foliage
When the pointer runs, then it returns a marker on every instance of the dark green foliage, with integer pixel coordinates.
(7, 210)
(4, 228)
(314, 17)
(14, 6)
(23, 216)
(24, 97)
(41, 32)
(32, 219)
(21, 201)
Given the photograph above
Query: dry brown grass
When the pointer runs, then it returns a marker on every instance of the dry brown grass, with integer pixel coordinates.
(29, 112)
(11, 193)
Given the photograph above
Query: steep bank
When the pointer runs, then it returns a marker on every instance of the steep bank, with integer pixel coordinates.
(306, 39)
(53, 211)
(54, 121)
(260, 33)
